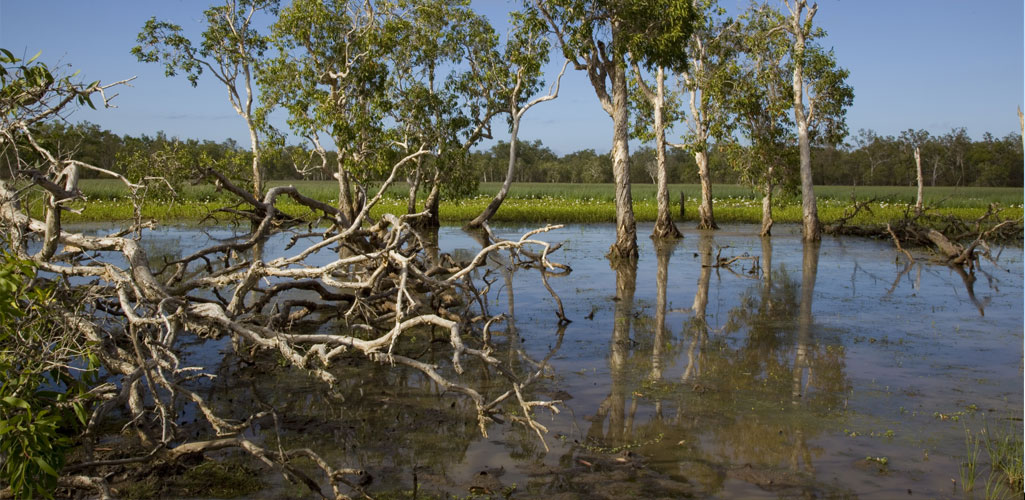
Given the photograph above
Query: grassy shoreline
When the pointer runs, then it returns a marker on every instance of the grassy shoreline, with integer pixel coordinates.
(577, 203)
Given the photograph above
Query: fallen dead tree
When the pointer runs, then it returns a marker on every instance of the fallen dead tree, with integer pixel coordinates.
(957, 242)
(954, 242)
(342, 290)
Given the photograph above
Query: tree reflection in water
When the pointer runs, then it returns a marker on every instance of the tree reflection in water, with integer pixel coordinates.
(750, 395)
(614, 406)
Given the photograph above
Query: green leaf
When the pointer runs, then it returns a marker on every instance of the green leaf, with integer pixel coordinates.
(45, 466)
(16, 402)
(80, 413)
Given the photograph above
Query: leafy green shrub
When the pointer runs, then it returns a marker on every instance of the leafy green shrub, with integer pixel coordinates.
(43, 396)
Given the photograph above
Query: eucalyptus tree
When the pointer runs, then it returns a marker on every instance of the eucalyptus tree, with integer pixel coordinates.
(956, 145)
(330, 77)
(817, 79)
(600, 37)
(707, 82)
(520, 72)
(757, 102)
(652, 106)
(445, 83)
(230, 50)
(871, 146)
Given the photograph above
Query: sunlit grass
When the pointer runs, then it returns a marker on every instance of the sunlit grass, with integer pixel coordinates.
(577, 203)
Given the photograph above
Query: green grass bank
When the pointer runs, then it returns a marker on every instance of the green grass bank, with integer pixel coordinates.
(576, 203)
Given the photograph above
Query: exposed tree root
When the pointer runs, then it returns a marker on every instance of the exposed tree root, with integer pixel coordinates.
(372, 282)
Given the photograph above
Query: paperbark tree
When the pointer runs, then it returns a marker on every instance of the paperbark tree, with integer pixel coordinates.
(653, 108)
(328, 75)
(449, 81)
(909, 141)
(818, 80)
(600, 37)
(707, 82)
(875, 151)
(918, 175)
(757, 102)
(955, 145)
(139, 320)
(1021, 121)
(526, 52)
(801, 32)
(230, 50)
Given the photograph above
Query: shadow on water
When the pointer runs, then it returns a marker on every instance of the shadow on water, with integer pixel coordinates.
(824, 370)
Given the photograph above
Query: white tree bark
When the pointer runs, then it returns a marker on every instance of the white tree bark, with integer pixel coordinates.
(516, 113)
(625, 246)
(918, 171)
(699, 127)
(707, 219)
(811, 226)
(767, 205)
(664, 227)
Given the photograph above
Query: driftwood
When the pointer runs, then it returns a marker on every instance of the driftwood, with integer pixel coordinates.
(727, 263)
(346, 289)
(957, 241)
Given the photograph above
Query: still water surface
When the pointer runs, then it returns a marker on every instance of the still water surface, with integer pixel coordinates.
(796, 378)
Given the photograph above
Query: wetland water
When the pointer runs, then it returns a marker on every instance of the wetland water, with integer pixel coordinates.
(831, 370)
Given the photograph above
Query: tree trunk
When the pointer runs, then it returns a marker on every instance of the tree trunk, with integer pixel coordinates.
(510, 172)
(626, 226)
(1021, 120)
(767, 207)
(344, 193)
(414, 185)
(809, 209)
(254, 143)
(918, 170)
(767, 274)
(664, 227)
(706, 218)
(432, 204)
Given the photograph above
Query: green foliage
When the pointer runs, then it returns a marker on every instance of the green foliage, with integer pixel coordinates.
(449, 80)
(42, 397)
(230, 50)
(28, 86)
(329, 75)
(652, 33)
(228, 44)
(166, 171)
(759, 99)
(826, 84)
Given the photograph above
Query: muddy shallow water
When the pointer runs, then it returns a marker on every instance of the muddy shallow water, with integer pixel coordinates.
(816, 371)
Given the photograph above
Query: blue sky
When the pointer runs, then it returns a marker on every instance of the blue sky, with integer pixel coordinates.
(923, 64)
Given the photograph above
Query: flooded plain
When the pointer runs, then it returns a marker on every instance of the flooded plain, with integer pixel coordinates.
(814, 371)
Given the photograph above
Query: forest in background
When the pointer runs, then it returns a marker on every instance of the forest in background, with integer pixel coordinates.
(868, 159)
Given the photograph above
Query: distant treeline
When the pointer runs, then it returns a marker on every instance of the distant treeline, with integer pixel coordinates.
(952, 159)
